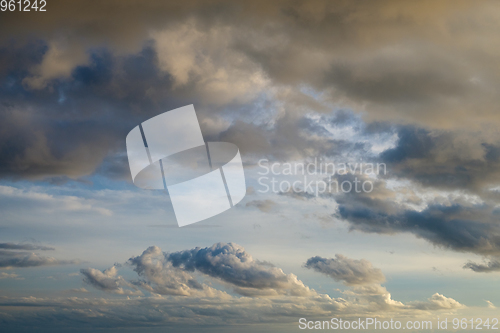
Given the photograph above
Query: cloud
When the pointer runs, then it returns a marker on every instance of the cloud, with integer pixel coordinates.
(19, 259)
(461, 228)
(204, 60)
(108, 280)
(28, 247)
(167, 293)
(454, 220)
(366, 291)
(172, 274)
(490, 305)
(229, 263)
(38, 200)
(254, 82)
(493, 265)
(79, 290)
(445, 159)
(373, 298)
(4, 275)
(161, 277)
(265, 206)
(176, 313)
(437, 302)
(23, 258)
(42, 144)
(260, 74)
(58, 62)
(449, 219)
(351, 272)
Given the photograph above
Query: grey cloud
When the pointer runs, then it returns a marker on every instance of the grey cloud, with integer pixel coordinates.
(351, 272)
(382, 82)
(240, 70)
(493, 265)
(42, 140)
(161, 277)
(108, 280)
(444, 159)
(181, 314)
(18, 255)
(28, 247)
(413, 143)
(233, 265)
(298, 195)
(365, 281)
(456, 221)
(265, 206)
(292, 138)
(461, 228)
(19, 259)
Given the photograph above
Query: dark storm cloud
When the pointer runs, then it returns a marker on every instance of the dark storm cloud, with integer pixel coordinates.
(412, 143)
(394, 85)
(350, 271)
(77, 125)
(468, 229)
(70, 129)
(493, 265)
(444, 159)
(67, 105)
(461, 223)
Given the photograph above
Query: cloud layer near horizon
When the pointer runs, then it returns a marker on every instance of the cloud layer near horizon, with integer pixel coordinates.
(251, 286)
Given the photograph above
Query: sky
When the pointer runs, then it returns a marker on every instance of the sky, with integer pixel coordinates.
(408, 88)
